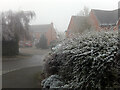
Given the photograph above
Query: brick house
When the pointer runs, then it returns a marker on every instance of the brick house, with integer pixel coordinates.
(75, 25)
(47, 29)
(99, 20)
(103, 19)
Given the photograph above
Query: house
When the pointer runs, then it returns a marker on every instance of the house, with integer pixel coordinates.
(75, 25)
(103, 19)
(99, 20)
(47, 29)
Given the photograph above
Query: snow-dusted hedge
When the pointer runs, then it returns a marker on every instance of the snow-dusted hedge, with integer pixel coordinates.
(54, 81)
(86, 61)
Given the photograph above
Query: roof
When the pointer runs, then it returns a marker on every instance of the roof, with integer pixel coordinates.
(105, 17)
(40, 28)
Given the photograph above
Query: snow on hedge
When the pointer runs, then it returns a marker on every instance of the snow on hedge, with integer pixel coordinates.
(86, 61)
(53, 81)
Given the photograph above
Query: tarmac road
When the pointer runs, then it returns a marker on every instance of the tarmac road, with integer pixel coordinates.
(20, 72)
(23, 78)
(16, 64)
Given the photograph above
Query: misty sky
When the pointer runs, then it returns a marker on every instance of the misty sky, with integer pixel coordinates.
(57, 11)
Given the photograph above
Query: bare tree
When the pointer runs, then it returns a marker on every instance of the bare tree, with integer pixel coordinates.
(14, 27)
(84, 12)
(15, 24)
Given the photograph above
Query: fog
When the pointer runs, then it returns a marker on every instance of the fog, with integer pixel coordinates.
(57, 11)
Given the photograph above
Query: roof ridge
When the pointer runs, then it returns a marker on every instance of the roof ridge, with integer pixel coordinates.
(39, 24)
(78, 16)
(104, 10)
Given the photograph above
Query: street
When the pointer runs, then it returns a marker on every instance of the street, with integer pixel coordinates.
(11, 65)
(24, 66)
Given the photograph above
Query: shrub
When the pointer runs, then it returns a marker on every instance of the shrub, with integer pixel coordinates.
(10, 48)
(87, 61)
(54, 81)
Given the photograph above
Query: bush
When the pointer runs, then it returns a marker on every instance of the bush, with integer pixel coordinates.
(10, 48)
(54, 81)
(87, 61)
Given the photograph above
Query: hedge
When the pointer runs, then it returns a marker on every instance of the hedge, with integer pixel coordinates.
(10, 48)
(86, 61)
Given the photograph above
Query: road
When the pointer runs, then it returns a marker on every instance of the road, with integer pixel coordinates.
(22, 78)
(28, 57)
(16, 64)
(18, 72)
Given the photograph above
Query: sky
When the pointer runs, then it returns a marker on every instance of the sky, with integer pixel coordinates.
(57, 11)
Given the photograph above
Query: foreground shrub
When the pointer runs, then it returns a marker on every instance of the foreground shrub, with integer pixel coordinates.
(87, 61)
(54, 81)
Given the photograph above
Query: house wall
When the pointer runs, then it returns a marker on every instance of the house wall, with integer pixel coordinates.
(54, 34)
(118, 26)
(94, 21)
(51, 35)
(36, 34)
(70, 27)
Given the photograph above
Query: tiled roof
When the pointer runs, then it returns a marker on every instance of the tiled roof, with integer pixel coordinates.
(105, 17)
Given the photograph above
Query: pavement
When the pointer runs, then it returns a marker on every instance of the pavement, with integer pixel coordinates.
(20, 71)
